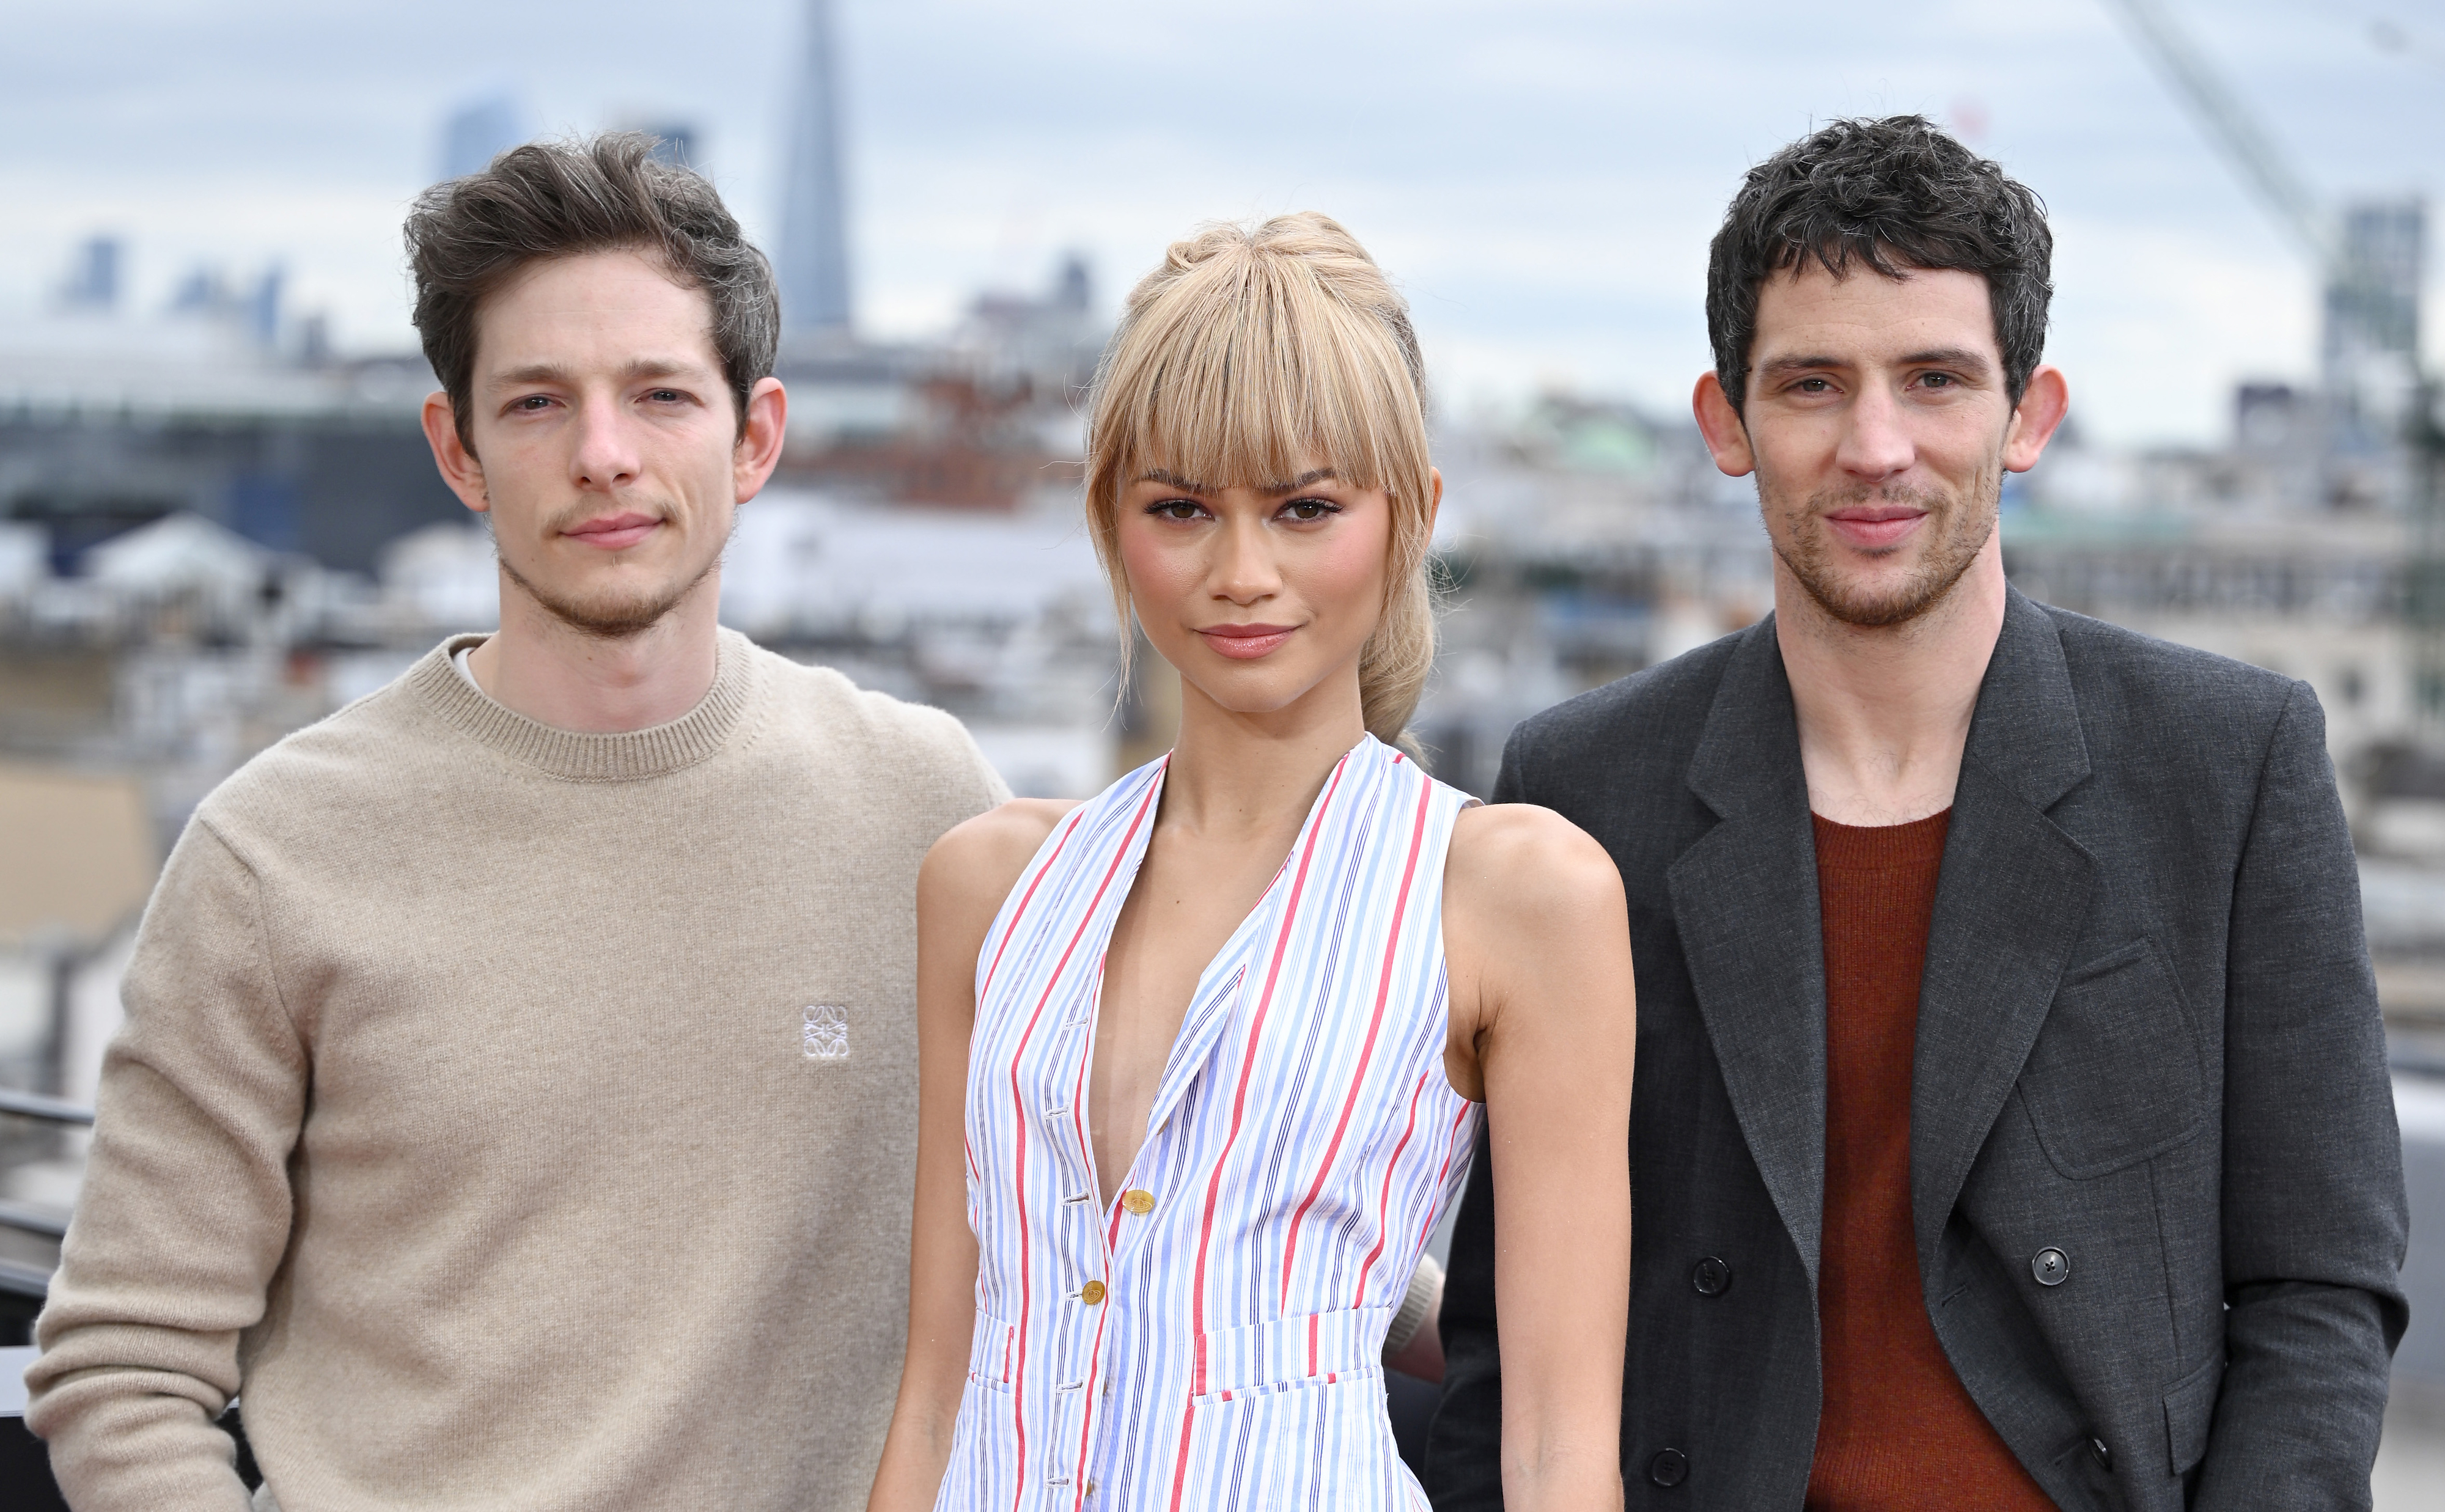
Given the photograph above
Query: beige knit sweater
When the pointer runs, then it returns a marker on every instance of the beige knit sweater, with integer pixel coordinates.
(525, 1119)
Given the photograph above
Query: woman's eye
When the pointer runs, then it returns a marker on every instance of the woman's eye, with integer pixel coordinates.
(1311, 509)
(1177, 508)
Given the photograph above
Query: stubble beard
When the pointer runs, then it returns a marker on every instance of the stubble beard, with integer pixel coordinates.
(608, 616)
(1961, 524)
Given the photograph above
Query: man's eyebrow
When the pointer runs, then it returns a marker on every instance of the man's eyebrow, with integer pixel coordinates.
(555, 373)
(1967, 358)
(1799, 364)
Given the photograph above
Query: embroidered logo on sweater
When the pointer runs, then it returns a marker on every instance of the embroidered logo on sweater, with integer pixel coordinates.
(826, 1035)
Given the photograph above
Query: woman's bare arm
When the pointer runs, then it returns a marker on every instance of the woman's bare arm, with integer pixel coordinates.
(1543, 1029)
(959, 888)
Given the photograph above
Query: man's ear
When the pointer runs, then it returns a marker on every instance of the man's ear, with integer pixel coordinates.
(2036, 419)
(458, 466)
(759, 449)
(1727, 436)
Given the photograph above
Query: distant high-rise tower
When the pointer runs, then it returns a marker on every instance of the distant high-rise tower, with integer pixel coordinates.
(2374, 304)
(814, 219)
(2370, 346)
(93, 282)
(478, 131)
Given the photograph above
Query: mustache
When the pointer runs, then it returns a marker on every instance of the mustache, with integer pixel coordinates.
(1930, 500)
(579, 514)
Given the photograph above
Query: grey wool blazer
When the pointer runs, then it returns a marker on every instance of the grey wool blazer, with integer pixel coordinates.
(2156, 1179)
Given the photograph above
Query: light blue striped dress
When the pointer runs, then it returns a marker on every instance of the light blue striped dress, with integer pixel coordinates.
(1219, 1349)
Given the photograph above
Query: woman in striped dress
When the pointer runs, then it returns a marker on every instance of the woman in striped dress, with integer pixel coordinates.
(1202, 1059)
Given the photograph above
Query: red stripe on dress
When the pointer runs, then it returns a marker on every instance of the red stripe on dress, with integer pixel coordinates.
(1384, 1199)
(1018, 1388)
(1077, 815)
(1367, 1051)
(1238, 1106)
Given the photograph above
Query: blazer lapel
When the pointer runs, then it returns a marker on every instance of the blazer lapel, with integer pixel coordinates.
(1745, 900)
(2009, 904)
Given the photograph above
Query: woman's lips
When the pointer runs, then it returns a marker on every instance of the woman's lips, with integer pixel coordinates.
(1245, 642)
(614, 532)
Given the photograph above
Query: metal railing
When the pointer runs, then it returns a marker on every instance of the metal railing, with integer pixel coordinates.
(50, 1109)
(17, 1276)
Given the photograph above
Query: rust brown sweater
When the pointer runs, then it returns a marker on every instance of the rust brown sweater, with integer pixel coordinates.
(1899, 1433)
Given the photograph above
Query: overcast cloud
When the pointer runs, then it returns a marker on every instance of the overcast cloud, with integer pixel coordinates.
(1542, 177)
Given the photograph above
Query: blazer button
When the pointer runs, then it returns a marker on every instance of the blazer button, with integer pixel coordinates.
(2104, 1456)
(1711, 1277)
(2051, 1266)
(1669, 1469)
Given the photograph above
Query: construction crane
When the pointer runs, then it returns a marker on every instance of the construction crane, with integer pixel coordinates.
(2353, 291)
(2232, 127)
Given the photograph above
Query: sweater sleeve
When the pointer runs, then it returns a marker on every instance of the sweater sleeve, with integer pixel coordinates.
(186, 1208)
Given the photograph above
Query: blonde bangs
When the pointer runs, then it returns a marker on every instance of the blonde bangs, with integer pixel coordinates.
(1250, 357)
(1250, 381)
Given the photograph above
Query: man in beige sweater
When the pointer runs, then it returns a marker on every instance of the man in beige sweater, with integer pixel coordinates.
(517, 1097)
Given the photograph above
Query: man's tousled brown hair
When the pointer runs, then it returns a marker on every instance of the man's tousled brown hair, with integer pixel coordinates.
(468, 236)
(1894, 193)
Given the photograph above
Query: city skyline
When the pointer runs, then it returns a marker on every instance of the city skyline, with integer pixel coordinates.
(1542, 182)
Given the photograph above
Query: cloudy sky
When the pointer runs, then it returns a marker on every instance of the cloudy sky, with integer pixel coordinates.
(1540, 175)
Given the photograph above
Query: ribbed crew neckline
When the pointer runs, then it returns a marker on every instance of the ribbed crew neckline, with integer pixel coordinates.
(1868, 848)
(626, 757)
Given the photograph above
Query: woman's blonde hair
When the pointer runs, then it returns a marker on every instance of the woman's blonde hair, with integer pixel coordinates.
(1250, 355)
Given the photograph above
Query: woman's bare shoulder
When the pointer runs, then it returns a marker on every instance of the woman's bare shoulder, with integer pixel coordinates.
(1519, 867)
(976, 863)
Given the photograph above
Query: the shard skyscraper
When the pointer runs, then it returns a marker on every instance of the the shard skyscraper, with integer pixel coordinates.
(814, 231)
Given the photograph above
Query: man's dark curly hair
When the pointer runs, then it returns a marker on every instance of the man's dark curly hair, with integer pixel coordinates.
(467, 237)
(1894, 193)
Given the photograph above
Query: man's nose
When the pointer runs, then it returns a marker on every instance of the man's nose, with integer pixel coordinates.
(1876, 441)
(606, 456)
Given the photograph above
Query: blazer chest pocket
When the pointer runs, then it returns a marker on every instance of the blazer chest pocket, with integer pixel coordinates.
(2115, 1077)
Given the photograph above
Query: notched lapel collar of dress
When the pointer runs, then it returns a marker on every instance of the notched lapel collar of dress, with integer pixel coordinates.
(1745, 900)
(2009, 904)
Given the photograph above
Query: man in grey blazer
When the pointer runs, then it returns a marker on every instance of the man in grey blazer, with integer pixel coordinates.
(2012, 1127)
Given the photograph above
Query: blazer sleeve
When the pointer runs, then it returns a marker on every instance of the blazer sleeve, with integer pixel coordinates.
(1464, 1470)
(2315, 1222)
